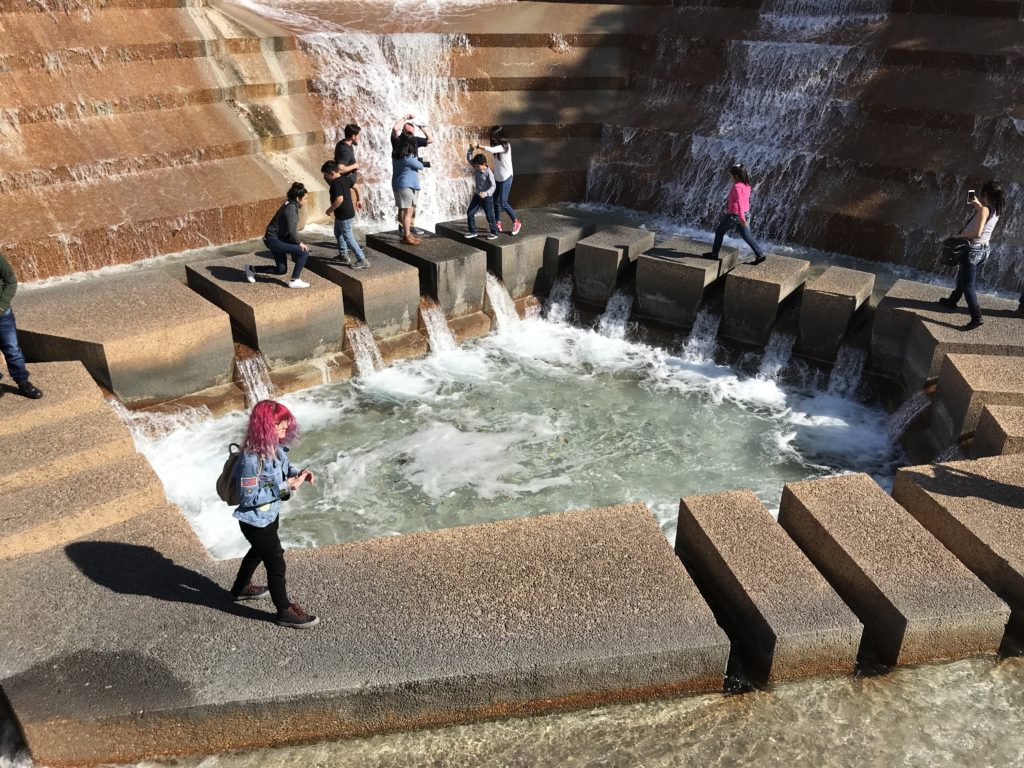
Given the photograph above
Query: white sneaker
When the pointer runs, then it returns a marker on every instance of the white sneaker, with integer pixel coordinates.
(249, 274)
(469, 235)
(298, 283)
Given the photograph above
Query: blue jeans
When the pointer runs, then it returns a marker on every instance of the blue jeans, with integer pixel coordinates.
(11, 349)
(966, 278)
(501, 190)
(474, 206)
(281, 251)
(728, 223)
(346, 239)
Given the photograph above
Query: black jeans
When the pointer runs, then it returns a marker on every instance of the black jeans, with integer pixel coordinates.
(281, 251)
(264, 547)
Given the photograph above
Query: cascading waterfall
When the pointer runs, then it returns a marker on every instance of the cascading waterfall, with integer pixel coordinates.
(776, 355)
(255, 378)
(364, 347)
(702, 342)
(848, 371)
(505, 314)
(439, 335)
(906, 413)
(614, 322)
(559, 303)
(152, 425)
(373, 80)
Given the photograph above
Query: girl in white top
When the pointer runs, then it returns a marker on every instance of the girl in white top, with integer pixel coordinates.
(501, 151)
(978, 231)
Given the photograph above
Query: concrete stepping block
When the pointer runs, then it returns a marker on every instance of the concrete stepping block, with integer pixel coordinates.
(918, 602)
(55, 449)
(561, 234)
(1000, 431)
(781, 612)
(50, 515)
(829, 303)
(142, 334)
(753, 293)
(528, 615)
(604, 258)
(967, 383)
(974, 509)
(68, 391)
(931, 341)
(386, 294)
(285, 324)
(452, 273)
(672, 279)
(898, 311)
(518, 261)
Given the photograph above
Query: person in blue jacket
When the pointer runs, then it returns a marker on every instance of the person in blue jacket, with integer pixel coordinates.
(405, 182)
(265, 479)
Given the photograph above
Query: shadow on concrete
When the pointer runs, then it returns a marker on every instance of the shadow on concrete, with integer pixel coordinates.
(226, 274)
(953, 481)
(130, 569)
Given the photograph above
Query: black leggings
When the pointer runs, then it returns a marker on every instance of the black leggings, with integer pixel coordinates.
(265, 547)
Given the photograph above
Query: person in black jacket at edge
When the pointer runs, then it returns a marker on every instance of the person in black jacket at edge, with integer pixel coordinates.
(9, 334)
(282, 239)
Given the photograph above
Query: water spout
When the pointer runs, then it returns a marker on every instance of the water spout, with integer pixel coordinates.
(254, 376)
(776, 355)
(903, 416)
(559, 304)
(364, 348)
(613, 323)
(848, 371)
(439, 335)
(505, 314)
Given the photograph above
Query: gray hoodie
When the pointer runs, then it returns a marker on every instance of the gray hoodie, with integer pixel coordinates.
(484, 179)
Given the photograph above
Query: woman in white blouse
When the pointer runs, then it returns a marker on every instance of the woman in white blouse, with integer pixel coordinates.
(501, 151)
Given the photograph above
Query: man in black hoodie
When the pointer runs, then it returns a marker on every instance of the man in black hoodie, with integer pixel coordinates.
(9, 333)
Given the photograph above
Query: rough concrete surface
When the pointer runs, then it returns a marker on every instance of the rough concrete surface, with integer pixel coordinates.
(672, 279)
(918, 602)
(967, 383)
(452, 273)
(829, 303)
(604, 258)
(753, 293)
(561, 234)
(285, 324)
(781, 612)
(1000, 431)
(976, 509)
(386, 294)
(518, 260)
(142, 334)
(68, 390)
(515, 617)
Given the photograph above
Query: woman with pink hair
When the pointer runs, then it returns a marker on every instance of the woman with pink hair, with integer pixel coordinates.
(265, 479)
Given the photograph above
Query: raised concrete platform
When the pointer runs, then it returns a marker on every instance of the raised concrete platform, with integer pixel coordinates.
(829, 303)
(786, 619)
(518, 261)
(753, 293)
(285, 324)
(1000, 431)
(967, 383)
(672, 279)
(918, 602)
(561, 233)
(142, 334)
(604, 258)
(510, 618)
(450, 272)
(68, 391)
(974, 509)
(386, 294)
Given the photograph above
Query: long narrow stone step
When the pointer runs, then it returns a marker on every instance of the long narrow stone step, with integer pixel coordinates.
(967, 383)
(932, 341)
(68, 392)
(753, 294)
(672, 279)
(1000, 431)
(778, 610)
(918, 602)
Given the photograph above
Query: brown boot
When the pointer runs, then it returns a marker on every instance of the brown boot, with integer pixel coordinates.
(411, 240)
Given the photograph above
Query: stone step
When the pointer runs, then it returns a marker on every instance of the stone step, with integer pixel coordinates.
(917, 602)
(386, 295)
(141, 334)
(973, 508)
(673, 277)
(777, 609)
(753, 294)
(1000, 431)
(618, 619)
(451, 272)
(50, 515)
(542, 61)
(827, 307)
(68, 392)
(287, 325)
(605, 258)
(53, 450)
(967, 383)
(518, 261)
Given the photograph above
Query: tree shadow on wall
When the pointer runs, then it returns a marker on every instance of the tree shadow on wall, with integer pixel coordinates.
(130, 569)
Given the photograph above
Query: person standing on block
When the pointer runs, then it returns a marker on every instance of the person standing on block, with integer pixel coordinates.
(282, 239)
(343, 211)
(405, 183)
(483, 195)
(9, 334)
(266, 478)
(978, 232)
(501, 151)
(737, 215)
(345, 156)
(405, 130)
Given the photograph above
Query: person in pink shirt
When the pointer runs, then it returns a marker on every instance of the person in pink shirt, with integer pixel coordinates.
(737, 215)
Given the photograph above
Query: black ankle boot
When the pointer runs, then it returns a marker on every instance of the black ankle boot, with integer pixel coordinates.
(26, 389)
(973, 323)
(947, 302)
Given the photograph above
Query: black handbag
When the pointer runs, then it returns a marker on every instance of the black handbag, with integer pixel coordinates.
(953, 249)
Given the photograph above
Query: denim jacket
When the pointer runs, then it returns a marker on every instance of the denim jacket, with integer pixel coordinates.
(263, 490)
